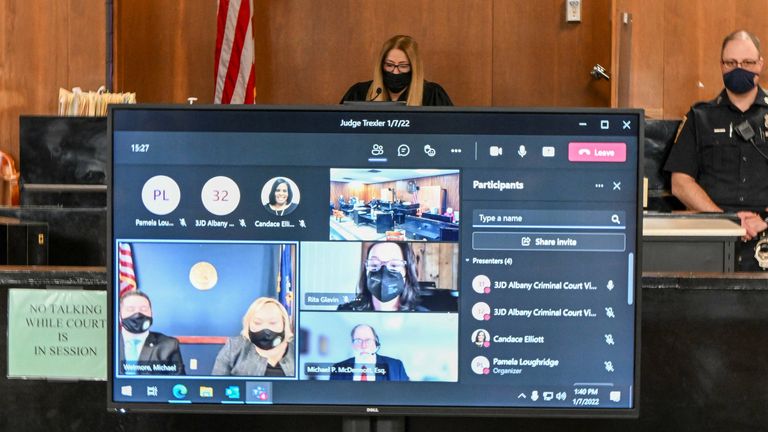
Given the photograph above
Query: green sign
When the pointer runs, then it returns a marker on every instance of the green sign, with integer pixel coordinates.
(57, 334)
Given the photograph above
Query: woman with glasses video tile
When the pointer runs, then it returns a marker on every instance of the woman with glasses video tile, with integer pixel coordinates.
(388, 280)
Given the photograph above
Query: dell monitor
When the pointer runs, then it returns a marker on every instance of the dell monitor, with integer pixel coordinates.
(252, 269)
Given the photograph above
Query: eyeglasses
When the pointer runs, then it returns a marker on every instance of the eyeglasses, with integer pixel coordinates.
(732, 64)
(375, 264)
(402, 67)
(361, 342)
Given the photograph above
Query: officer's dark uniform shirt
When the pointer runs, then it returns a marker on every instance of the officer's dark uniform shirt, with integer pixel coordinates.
(728, 168)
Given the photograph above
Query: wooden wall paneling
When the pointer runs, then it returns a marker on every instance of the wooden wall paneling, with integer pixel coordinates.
(304, 50)
(386, 194)
(715, 20)
(485, 52)
(87, 50)
(164, 49)
(449, 265)
(748, 19)
(524, 52)
(420, 251)
(430, 263)
(347, 190)
(457, 47)
(401, 191)
(33, 64)
(621, 53)
(337, 189)
(623, 63)
(311, 51)
(681, 57)
(430, 197)
(581, 47)
(436, 262)
(448, 182)
(676, 50)
(371, 191)
(441, 266)
(540, 60)
(358, 190)
(379, 189)
(617, 40)
(692, 42)
(646, 87)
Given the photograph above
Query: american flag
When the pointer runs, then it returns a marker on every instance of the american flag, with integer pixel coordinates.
(285, 279)
(125, 268)
(234, 67)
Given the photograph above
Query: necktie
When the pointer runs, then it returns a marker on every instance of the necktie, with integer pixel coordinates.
(363, 375)
(132, 356)
(135, 349)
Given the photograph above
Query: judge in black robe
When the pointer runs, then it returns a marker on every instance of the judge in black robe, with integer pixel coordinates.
(434, 94)
(399, 76)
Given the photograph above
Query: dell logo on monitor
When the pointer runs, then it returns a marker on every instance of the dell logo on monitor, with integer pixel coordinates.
(372, 410)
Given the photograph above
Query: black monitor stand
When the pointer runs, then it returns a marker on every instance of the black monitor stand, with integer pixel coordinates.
(373, 424)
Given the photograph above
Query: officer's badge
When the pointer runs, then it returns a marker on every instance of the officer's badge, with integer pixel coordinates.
(765, 123)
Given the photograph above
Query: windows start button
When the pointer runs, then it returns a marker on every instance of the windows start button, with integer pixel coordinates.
(597, 152)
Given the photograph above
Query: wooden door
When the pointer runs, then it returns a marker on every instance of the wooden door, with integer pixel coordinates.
(539, 59)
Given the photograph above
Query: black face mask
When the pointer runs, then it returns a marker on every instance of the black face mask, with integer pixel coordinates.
(137, 323)
(396, 82)
(266, 339)
(739, 80)
(385, 284)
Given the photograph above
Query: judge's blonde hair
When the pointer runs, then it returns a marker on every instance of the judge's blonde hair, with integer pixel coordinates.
(416, 88)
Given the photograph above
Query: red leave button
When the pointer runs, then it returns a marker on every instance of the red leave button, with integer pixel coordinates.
(597, 152)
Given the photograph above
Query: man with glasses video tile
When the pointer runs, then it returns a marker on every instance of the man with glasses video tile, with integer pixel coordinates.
(367, 364)
(719, 162)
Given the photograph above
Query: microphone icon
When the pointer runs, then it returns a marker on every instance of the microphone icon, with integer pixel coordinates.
(521, 151)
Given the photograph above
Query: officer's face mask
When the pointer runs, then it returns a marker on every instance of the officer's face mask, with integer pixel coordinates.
(739, 80)
(385, 284)
(137, 323)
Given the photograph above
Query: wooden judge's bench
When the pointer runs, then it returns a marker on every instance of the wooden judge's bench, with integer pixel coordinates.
(689, 243)
(702, 350)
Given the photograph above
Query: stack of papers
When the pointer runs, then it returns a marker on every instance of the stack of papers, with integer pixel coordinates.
(90, 104)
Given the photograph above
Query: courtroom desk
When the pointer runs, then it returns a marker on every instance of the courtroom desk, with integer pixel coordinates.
(53, 277)
(77, 236)
(703, 356)
(690, 244)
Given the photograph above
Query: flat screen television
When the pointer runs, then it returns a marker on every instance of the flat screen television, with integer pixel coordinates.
(249, 272)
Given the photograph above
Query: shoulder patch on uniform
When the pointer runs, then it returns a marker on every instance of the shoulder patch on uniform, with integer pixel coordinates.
(680, 128)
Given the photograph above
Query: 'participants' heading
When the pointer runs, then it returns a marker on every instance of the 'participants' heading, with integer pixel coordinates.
(497, 185)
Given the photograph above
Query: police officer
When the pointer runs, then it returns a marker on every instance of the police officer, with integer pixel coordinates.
(719, 161)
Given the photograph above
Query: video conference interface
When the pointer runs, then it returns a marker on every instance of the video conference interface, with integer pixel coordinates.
(374, 258)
